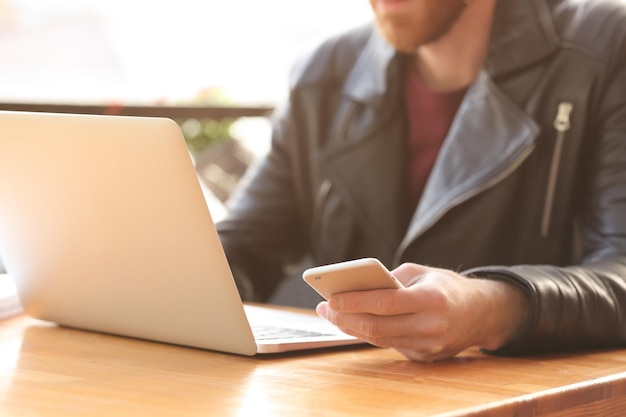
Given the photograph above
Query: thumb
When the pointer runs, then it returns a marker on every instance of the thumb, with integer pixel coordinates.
(410, 273)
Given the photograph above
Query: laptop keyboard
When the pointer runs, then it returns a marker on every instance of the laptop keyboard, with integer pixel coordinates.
(265, 332)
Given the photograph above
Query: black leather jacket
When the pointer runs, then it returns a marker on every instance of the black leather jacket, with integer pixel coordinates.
(529, 186)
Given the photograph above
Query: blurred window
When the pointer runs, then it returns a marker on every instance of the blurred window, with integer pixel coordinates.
(140, 51)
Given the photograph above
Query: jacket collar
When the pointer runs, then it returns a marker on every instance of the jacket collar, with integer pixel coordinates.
(532, 39)
(368, 81)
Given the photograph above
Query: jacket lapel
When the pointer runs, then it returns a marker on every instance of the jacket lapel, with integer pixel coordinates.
(489, 138)
(491, 135)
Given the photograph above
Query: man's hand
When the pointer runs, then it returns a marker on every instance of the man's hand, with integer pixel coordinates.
(439, 314)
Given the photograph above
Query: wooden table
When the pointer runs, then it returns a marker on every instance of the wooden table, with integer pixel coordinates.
(52, 371)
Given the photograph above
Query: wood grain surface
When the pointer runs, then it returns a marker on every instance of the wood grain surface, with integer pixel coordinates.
(53, 371)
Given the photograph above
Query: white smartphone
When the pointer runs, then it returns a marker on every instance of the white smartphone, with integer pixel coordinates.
(357, 275)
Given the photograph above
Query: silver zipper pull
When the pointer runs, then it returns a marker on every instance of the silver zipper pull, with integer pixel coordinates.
(562, 120)
(561, 124)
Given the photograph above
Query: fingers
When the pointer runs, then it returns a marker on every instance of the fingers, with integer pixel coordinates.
(409, 273)
(417, 340)
(385, 330)
(391, 302)
(426, 295)
(380, 302)
(427, 354)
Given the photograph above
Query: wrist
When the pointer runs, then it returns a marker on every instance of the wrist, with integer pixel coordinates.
(507, 313)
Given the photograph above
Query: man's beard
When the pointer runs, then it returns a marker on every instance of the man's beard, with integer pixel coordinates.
(404, 34)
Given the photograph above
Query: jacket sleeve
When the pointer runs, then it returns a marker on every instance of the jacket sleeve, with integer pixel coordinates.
(582, 306)
(263, 229)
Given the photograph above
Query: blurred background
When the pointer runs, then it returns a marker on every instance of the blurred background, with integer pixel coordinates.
(217, 68)
(139, 51)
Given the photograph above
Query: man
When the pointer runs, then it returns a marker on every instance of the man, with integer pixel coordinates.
(476, 147)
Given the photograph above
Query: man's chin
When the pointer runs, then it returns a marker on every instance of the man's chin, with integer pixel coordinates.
(406, 34)
(400, 40)
(405, 38)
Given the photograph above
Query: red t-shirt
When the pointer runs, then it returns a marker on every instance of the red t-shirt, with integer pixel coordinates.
(430, 114)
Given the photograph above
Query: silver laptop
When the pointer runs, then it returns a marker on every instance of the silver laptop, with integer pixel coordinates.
(104, 227)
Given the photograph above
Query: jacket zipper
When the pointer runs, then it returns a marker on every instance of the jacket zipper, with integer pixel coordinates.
(343, 130)
(320, 198)
(562, 125)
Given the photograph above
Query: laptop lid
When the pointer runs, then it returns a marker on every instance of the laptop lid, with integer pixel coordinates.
(104, 227)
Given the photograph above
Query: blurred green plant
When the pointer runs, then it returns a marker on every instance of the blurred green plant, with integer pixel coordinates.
(202, 133)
